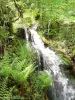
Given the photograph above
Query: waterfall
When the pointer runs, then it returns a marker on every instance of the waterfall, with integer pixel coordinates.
(64, 88)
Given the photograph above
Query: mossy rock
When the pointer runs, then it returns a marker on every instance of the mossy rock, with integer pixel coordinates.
(46, 42)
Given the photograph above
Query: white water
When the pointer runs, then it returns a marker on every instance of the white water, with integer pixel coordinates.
(63, 87)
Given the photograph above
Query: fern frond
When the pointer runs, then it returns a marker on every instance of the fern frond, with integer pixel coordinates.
(5, 94)
(21, 76)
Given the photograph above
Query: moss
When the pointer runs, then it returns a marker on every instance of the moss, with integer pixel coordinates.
(46, 42)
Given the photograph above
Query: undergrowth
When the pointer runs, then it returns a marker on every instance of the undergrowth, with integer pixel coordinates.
(19, 78)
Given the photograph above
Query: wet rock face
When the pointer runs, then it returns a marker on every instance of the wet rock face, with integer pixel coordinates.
(41, 62)
(51, 93)
(45, 44)
(21, 33)
(29, 34)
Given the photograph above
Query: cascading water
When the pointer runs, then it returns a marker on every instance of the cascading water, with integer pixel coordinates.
(65, 90)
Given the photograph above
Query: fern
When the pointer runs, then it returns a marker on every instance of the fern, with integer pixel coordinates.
(26, 53)
(20, 68)
(5, 68)
(8, 93)
(21, 76)
(5, 94)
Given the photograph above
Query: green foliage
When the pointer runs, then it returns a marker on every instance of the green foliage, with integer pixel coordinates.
(8, 93)
(26, 53)
(6, 17)
(66, 60)
(7, 13)
(5, 68)
(20, 68)
(43, 80)
(21, 76)
(39, 82)
(3, 34)
(5, 94)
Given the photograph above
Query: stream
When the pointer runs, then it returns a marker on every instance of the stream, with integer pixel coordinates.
(64, 89)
